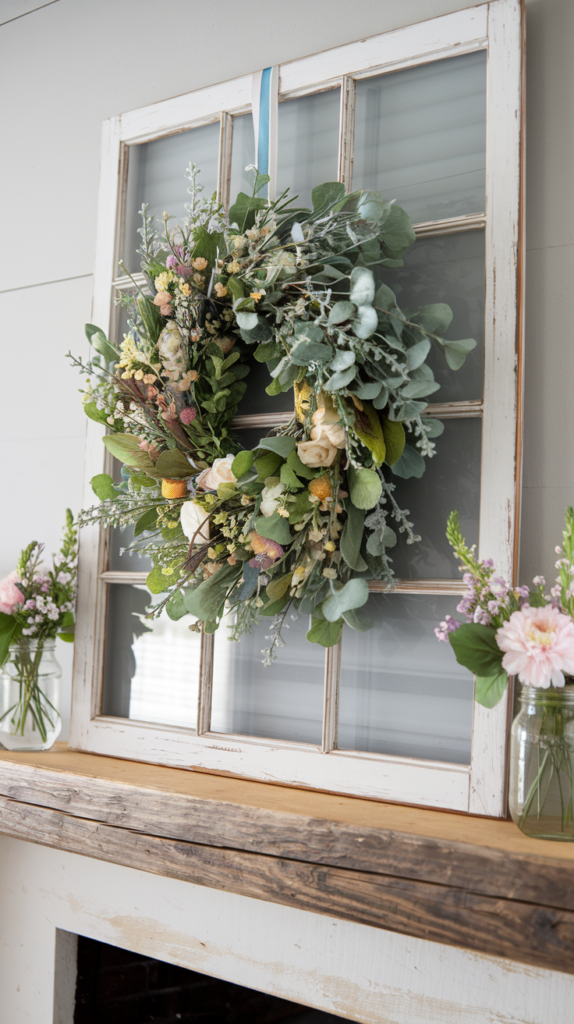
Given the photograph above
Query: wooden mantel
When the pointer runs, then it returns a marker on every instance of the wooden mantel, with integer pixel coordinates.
(465, 881)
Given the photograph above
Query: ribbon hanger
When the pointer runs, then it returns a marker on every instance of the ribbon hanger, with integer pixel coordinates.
(265, 106)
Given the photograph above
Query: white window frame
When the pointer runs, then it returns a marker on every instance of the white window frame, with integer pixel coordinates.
(480, 787)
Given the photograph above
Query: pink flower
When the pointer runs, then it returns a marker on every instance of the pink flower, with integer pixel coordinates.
(10, 597)
(267, 552)
(188, 415)
(539, 646)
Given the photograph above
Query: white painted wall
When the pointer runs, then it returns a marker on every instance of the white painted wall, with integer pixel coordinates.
(64, 67)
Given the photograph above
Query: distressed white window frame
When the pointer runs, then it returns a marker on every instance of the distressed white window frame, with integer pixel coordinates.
(480, 787)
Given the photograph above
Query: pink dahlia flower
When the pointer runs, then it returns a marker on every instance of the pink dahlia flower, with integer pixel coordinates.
(538, 645)
(10, 596)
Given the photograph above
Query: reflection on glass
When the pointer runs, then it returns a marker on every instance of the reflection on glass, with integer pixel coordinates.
(151, 665)
(308, 131)
(284, 701)
(451, 480)
(156, 176)
(448, 268)
(402, 692)
(119, 559)
(242, 155)
(420, 137)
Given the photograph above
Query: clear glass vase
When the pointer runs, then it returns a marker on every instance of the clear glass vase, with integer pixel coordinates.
(30, 697)
(541, 787)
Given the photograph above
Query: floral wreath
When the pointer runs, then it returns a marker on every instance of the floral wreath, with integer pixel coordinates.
(301, 523)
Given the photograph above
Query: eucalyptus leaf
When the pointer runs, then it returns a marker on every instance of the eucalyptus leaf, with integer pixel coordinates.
(381, 401)
(343, 359)
(353, 594)
(341, 379)
(323, 632)
(365, 487)
(434, 427)
(434, 318)
(282, 445)
(341, 312)
(207, 601)
(247, 321)
(298, 467)
(417, 354)
(411, 463)
(368, 391)
(305, 352)
(274, 528)
(455, 352)
(419, 389)
(278, 587)
(356, 621)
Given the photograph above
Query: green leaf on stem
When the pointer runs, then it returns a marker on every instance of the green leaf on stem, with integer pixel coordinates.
(476, 648)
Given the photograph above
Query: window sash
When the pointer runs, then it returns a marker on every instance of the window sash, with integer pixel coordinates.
(479, 788)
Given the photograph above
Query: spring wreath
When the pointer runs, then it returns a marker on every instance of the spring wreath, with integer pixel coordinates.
(301, 523)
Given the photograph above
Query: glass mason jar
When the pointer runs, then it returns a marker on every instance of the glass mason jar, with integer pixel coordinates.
(541, 788)
(30, 697)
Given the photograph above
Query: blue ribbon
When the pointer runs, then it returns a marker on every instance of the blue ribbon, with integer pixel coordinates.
(264, 114)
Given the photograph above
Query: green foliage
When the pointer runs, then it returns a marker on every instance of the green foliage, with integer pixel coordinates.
(490, 689)
(351, 595)
(274, 528)
(365, 487)
(476, 648)
(7, 628)
(103, 487)
(323, 632)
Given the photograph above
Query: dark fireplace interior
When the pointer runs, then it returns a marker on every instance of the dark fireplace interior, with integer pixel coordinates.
(115, 986)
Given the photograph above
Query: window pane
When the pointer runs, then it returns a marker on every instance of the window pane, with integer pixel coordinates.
(283, 701)
(156, 176)
(242, 155)
(451, 481)
(151, 674)
(449, 268)
(118, 558)
(308, 143)
(256, 399)
(420, 137)
(402, 692)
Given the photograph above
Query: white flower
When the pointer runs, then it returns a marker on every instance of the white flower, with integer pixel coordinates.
(194, 518)
(317, 453)
(219, 473)
(171, 348)
(270, 495)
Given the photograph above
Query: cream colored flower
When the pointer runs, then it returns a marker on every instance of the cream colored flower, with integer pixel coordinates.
(194, 518)
(162, 299)
(162, 281)
(220, 290)
(270, 495)
(330, 574)
(199, 263)
(326, 423)
(317, 453)
(219, 473)
(233, 267)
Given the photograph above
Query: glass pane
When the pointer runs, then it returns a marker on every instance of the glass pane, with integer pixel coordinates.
(256, 399)
(402, 692)
(283, 701)
(119, 559)
(151, 665)
(308, 143)
(448, 268)
(156, 176)
(242, 155)
(420, 137)
(451, 480)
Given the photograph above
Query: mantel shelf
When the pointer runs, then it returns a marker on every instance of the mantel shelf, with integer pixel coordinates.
(466, 881)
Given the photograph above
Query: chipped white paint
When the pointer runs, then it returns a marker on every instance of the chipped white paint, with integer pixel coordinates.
(357, 972)
(495, 26)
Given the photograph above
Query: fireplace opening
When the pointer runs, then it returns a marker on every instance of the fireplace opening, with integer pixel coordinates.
(115, 986)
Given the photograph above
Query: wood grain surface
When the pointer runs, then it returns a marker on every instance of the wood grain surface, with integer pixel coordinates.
(461, 880)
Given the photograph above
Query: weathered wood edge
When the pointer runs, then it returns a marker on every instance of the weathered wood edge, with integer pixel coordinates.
(513, 929)
(215, 823)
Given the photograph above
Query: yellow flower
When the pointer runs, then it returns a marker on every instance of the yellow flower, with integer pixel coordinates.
(234, 266)
(162, 281)
(220, 290)
(211, 553)
(184, 288)
(329, 546)
(283, 513)
(138, 375)
(255, 295)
